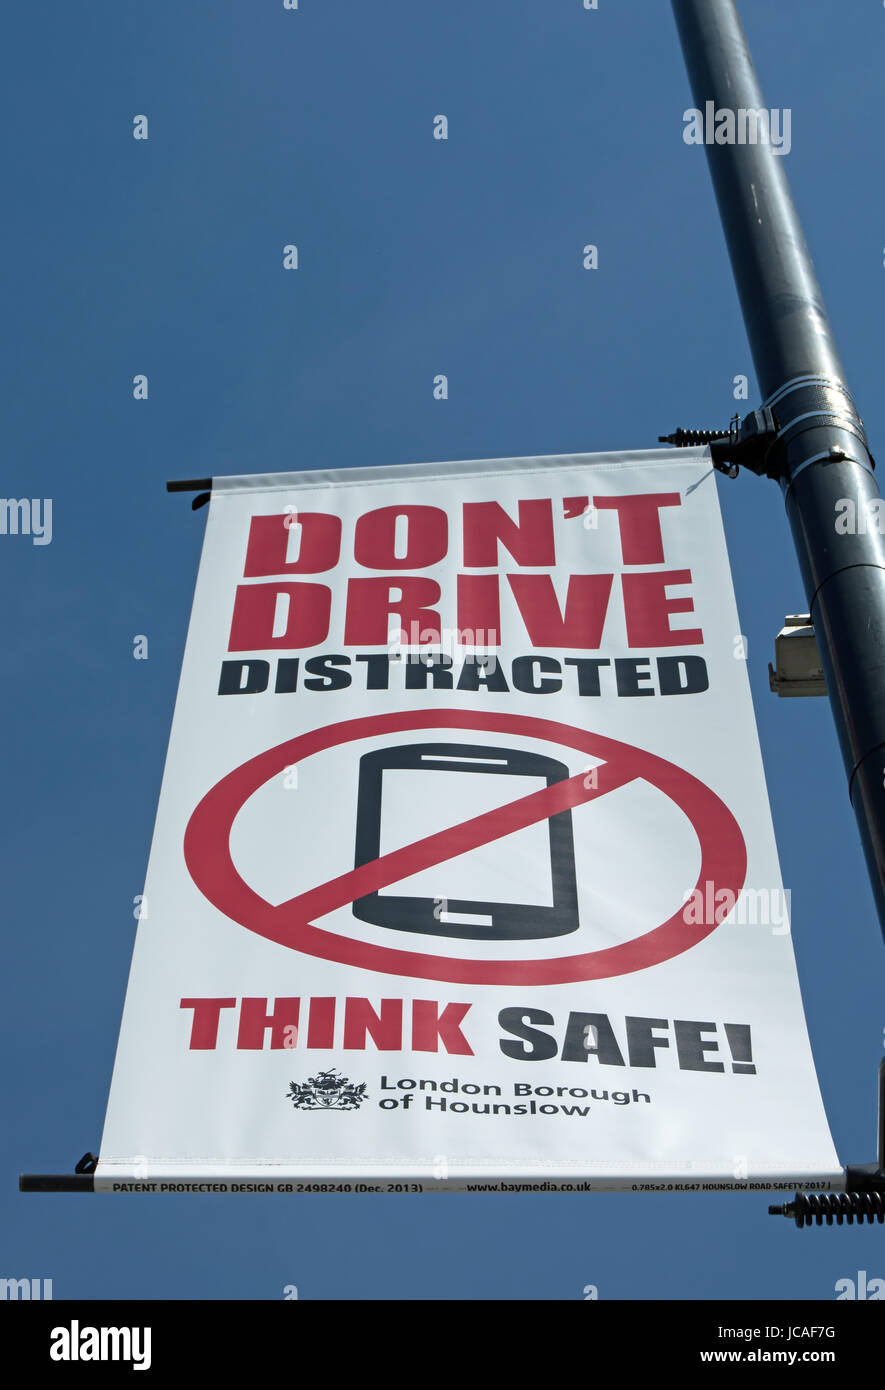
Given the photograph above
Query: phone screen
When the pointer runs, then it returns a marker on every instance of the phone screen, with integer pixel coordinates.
(514, 869)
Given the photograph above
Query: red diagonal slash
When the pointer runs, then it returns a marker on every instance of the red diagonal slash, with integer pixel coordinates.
(207, 851)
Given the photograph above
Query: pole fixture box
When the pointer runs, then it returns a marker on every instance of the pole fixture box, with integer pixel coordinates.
(798, 669)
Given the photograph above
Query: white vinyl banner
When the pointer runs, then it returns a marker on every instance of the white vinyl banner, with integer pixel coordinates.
(464, 875)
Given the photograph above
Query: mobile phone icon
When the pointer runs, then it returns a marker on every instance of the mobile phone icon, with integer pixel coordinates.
(520, 887)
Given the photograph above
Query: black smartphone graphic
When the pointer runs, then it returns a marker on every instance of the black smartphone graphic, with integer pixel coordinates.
(399, 793)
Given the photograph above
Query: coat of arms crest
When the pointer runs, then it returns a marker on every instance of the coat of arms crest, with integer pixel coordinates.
(327, 1091)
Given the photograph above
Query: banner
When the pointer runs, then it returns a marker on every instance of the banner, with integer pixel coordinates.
(463, 875)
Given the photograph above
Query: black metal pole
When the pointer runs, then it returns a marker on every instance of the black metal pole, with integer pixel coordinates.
(820, 454)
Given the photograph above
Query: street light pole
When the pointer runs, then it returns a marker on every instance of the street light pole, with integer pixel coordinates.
(817, 448)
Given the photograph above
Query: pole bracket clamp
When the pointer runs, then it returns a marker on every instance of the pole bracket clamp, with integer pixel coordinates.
(745, 444)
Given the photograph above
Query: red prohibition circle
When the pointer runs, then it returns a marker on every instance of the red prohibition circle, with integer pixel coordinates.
(208, 858)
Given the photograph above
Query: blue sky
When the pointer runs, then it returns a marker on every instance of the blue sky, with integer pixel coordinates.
(164, 257)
